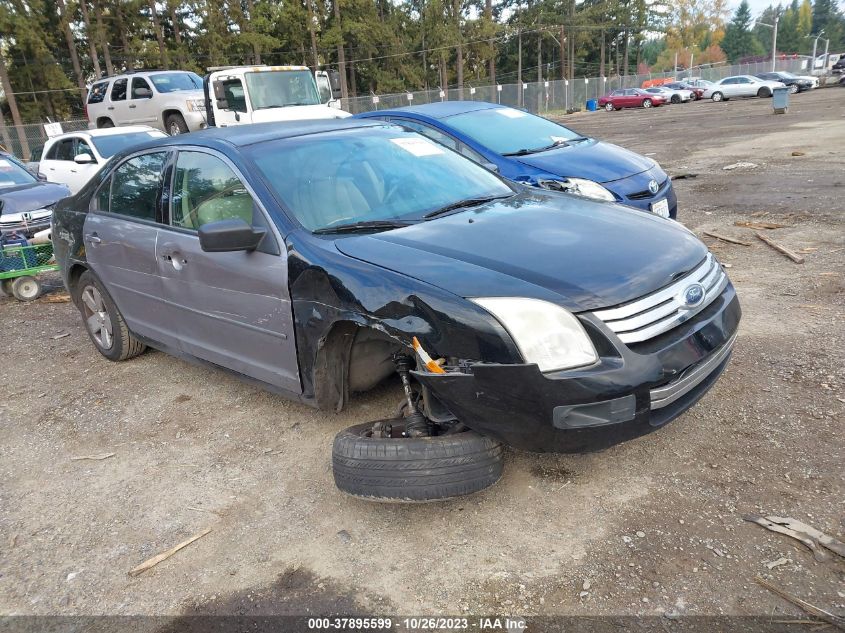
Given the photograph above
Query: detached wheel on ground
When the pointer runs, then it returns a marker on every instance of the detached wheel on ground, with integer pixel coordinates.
(104, 323)
(413, 469)
(176, 125)
(25, 288)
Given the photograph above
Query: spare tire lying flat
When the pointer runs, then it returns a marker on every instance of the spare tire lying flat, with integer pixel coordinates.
(414, 469)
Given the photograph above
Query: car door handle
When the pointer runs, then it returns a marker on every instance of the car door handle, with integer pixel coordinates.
(132, 105)
(110, 108)
(92, 238)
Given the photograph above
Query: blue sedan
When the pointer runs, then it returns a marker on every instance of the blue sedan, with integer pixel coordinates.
(532, 150)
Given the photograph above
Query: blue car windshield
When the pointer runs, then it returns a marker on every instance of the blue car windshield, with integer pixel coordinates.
(13, 173)
(506, 130)
(111, 144)
(369, 175)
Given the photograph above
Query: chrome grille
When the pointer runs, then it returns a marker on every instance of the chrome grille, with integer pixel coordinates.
(663, 310)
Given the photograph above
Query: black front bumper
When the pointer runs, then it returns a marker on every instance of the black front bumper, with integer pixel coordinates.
(628, 393)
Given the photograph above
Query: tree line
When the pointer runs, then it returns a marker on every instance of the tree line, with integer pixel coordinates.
(51, 50)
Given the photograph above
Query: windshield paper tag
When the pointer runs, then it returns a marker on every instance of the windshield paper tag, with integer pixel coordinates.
(511, 113)
(418, 146)
(5, 164)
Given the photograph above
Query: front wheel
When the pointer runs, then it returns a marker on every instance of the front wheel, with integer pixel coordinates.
(26, 288)
(676, 99)
(176, 125)
(793, 89)
(413, 469)
(717, 96)
(609, 107)
(105, 324)
(647, 103)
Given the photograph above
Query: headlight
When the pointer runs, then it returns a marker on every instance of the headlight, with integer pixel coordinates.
(195, 105)
(545, 333)
(579, 187)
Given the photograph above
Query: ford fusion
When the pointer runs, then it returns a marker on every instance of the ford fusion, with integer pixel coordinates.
(535, 151)
(321, 258)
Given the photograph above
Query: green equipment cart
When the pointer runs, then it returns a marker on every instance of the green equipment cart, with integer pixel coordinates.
(19, 266)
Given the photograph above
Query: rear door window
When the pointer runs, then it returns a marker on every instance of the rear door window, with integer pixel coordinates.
(135, 187)
(118, 90)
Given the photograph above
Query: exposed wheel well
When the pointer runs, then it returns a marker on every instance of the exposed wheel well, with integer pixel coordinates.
(167, 113)
(73, 276)
(104, 121)
(351, 357)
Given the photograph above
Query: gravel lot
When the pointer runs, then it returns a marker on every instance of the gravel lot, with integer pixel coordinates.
(653, 526)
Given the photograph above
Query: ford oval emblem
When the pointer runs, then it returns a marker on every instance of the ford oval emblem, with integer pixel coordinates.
(693, 296)
(653, 187)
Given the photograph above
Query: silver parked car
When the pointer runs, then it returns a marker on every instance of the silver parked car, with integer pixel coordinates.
(170, 100)
(672, 95)
(741, 86)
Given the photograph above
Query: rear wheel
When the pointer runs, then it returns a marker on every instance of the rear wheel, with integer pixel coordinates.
(717, 96)
(105, 324)
(26, 288)
(764, 92)
(609, 107)
(647, 103)
(176, 125)
(390, 467)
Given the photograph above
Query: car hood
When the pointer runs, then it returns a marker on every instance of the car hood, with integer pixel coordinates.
(31, 197)
(298, 113)
(580, 254)
(591, 159)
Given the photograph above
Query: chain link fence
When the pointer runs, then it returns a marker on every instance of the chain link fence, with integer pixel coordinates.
(544, 97)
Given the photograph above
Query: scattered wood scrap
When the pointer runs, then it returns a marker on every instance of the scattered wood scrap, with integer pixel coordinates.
(761, 225)
(725, 238)
(834, 545)
(94, 457)
(813, 610)
(801, 537)
(56, 298)
(155, 560)
(781, 249)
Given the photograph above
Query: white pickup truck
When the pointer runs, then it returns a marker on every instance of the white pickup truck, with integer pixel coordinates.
(240, 95)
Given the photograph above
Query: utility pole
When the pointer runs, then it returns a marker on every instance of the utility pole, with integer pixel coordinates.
(519, 68)
(774, 39)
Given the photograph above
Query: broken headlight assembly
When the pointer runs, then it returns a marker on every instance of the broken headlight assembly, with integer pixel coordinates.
(545, 333)
(579, 187)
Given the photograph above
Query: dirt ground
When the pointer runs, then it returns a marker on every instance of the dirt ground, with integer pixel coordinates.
(650, 527)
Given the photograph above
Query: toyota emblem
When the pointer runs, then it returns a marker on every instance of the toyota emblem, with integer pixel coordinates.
(653, 187)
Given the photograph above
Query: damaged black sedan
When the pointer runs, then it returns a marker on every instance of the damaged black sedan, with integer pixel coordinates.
(318, 259)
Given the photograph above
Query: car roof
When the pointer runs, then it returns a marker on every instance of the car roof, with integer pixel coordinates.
(140, 73)
(442, 109)
(243, 135)
(106, 131)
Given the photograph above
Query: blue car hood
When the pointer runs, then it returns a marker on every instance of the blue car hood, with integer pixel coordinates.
(591, 159)
(31, 197)
(577, 253)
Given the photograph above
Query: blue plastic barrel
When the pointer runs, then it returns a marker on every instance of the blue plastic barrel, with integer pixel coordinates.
(592, 105)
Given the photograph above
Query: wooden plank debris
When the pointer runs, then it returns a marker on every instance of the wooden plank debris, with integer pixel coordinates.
(155, 560)
(781, 249)
(725, 238)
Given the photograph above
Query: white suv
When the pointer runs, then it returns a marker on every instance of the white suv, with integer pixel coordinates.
(170, 100)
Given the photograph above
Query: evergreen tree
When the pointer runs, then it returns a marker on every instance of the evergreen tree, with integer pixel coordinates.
(739, 41)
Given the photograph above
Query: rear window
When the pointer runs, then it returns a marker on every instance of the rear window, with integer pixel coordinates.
(118, 90)
(113, 143)
(98, 92)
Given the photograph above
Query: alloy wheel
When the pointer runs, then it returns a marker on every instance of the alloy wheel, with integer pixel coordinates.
(97, 317)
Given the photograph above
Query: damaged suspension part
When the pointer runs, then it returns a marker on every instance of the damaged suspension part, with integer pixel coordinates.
(416, 424)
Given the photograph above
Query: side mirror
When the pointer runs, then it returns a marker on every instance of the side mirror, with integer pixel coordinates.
(41, 177)
(229, 235)
(84, 159)
(334, 82)
(142, 93)
(220, 95)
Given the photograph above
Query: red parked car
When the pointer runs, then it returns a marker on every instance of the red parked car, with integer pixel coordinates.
(630, 98)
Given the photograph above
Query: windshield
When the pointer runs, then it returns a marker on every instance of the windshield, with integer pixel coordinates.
(13, 173)
(173, 82)
(280, 88)
(369, 174)
(109, 145)
(506, 130)
(786, 75)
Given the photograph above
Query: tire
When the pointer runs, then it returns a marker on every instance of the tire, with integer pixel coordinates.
(105, 123)
(675, 99)
(717, 96)
(6, 287)
(609, 107)
(98, 309)
(417, 469)
(26, 288)
(175, 125)
(793, 89)
(764, 92)
(647, 103)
